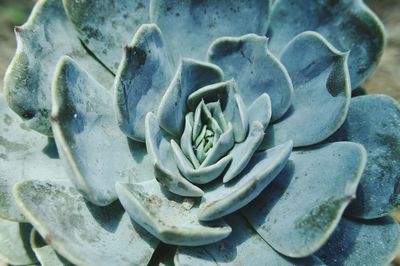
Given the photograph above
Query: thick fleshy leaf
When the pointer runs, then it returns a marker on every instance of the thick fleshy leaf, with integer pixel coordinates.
(361, 242)
(95, 152)
(24, 154)
(260, 110)
(348, 24)
(166, 171)
(83, 233)
(256, 71)
(374, 121)
(170, 218)
(242, 247)
(105, 26)
(42, 40)
(199, 175)
(142, 78)
(243, 152)
(321, 92)
(299, 210)
(224, 143)
(190, 26)
(222, 199)
(232, 105)
(14, 243)
(190, 76)
(187, 140)
(45, 254)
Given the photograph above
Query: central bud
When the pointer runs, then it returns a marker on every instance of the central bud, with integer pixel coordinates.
(215, 121)
(209, 124)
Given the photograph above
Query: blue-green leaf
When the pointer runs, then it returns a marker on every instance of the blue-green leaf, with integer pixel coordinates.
(142, 79)
(95, 152)
(361, 242)
(24, 154)
(243, 247)
(83, 233)
(190, 76)
(300, 209)
(348, 24)
(166, 171)
(321, 92)
(106, 26)
(190, 26)
(14, 243)
(256, 71)
(222, 199)
(42, 40)
(374, 121)
(45, 254)
(158, 211)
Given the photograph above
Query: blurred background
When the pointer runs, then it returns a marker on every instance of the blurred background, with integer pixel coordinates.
(386, 79)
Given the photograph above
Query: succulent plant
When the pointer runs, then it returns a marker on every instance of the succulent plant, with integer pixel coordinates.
(225, 132)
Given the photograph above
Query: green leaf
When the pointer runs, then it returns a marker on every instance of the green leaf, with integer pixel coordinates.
(83, 233)
(201, 175)
(166, 171)
(231, 102)
(190, 76)
(300, 209)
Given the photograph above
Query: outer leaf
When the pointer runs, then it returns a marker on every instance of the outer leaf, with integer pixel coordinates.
(348, 24)
(321, 92)
(14, 243)
(95, 152)
(374, 121)
(247, 60)
(360, 242)
(24, 154)
(80, 231)
(42, 40)
(242, 247)
(299, 210)
(190, 76)
(105, 26)
(222, 199)
(158, 212)
(142, 79)
(190, 26)
(45, 253)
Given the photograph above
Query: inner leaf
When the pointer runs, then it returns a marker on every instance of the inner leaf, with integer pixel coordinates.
(208, 125)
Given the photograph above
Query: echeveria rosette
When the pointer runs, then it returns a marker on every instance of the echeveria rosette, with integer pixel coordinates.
(230, 147)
